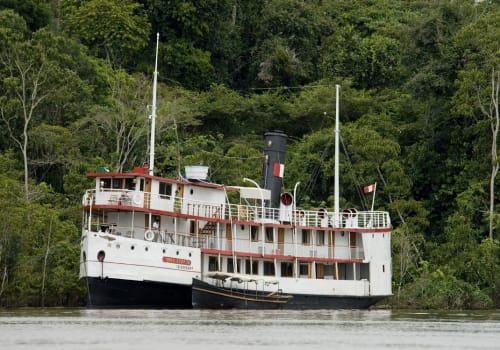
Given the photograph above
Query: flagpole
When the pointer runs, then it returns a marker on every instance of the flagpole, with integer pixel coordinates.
(336, 201)
(153, 112)
(373, 199)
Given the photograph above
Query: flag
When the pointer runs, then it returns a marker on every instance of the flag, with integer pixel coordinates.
(370, 188)
(279, 169)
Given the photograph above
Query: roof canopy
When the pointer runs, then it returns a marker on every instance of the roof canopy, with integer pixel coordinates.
(255, 193)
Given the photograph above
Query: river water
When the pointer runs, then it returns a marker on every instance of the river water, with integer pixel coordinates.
(235, 329)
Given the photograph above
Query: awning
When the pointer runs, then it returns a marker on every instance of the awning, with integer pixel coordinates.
(255, 193)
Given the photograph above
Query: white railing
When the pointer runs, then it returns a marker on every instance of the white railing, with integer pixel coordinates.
(238, 212)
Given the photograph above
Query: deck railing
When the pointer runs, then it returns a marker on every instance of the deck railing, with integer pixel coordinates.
(287, 248)
(348, 218)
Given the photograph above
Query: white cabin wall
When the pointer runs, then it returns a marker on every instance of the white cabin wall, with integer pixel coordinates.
(378, 253)
(342, 250)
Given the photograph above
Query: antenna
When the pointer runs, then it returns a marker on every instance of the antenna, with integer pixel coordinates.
(153, 111)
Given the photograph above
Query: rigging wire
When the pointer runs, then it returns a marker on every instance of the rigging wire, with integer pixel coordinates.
(316, 171)
(357, 186)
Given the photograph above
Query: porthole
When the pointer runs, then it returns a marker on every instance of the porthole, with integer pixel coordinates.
(164, 251)
(191, 191)
(132, 247)
(189, 254)
(117, 246)
(146, 248)
(101, 255)
(177, 253)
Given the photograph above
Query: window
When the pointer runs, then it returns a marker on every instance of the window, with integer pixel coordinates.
(320, 238)
(105, 183)
(165, 189)
(304, 269)
(269, 234)
(254, 233)
(306, 237)
(286, 269)
(193, 225)
(117, 183)
(269, 268)
(251, 267)
(213, 263)
(130, 184)
(230, 265)
(352, 239)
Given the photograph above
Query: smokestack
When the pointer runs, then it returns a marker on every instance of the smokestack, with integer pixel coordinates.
(273, 168)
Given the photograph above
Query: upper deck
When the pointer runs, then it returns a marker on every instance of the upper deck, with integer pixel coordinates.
(220, 210)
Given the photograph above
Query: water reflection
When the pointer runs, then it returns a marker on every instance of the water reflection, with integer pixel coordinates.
(236, 329)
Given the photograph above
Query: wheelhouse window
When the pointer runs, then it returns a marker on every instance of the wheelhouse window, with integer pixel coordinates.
(130, 184)
(105, 183)
(117, 183)
(165, 189)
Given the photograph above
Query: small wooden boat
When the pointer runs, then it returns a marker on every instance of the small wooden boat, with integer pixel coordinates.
(236, 291)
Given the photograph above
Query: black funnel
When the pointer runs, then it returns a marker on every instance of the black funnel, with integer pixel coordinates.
(274, 165)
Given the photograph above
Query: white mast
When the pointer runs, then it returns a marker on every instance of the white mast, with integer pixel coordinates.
(153, 112)
(337, 138)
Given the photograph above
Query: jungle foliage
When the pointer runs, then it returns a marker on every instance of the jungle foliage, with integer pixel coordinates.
(420, 116)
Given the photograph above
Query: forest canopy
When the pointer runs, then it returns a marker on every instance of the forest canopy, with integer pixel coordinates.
(419, 81)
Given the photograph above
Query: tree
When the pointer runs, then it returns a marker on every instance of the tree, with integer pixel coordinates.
(36, 13)
(478, 86)
(33, 75)
(123, 120)
(113, 29)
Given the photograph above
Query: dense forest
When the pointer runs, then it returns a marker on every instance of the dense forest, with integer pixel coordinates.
(419, 111)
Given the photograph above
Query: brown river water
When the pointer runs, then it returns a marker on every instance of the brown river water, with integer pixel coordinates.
(236, 329)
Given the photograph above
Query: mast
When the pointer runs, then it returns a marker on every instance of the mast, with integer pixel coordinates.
(153, 112)
(337, 138)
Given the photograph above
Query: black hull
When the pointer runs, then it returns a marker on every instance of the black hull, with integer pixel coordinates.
(206, 296)
(117, 293)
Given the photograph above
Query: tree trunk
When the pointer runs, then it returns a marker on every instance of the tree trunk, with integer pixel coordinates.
(42, 303)
(494, 117)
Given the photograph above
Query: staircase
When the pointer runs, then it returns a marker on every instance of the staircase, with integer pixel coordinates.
(209, 228)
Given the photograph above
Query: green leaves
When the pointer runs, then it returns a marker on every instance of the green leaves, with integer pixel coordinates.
(115, 30)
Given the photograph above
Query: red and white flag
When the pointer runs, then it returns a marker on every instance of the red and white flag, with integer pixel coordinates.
(279, 169)
(370, 188)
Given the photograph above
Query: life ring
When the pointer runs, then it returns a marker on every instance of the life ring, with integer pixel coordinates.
(149, 235)
(137, 199)
(322, 213)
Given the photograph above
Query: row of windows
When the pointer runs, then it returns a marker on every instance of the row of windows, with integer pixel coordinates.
(252, 267)
(341, 271)
(306, 235)
(165, 189)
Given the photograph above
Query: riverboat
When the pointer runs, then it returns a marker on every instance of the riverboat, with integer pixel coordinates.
(146, 238)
